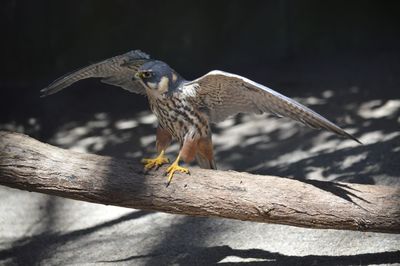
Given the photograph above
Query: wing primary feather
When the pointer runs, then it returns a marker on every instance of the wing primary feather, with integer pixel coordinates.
(315, 120)
(237, 94)
(69, 79)
(111, 69)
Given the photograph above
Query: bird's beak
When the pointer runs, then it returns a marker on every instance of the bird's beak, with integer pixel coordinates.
(138, 75)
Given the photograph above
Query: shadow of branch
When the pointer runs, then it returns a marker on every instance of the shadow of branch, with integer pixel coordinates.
(216, 254)
(21, 249)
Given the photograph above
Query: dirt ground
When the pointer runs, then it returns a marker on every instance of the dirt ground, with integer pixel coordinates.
(37, 229)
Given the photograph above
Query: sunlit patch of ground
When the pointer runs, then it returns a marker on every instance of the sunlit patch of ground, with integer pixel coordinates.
(379, 109)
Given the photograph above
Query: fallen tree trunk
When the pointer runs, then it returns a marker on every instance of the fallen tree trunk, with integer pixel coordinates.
(28, 164)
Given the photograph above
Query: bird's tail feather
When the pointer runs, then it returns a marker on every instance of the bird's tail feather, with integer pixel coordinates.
(204, 162)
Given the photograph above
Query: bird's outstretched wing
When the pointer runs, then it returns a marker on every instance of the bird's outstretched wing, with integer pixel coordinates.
(224, 94)
(118, 71)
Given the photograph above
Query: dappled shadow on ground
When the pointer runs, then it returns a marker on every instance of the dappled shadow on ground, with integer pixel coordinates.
(32, 250)
(262, 144)
(225, 255)
(279, 147)
(219, 253)
(181, 234)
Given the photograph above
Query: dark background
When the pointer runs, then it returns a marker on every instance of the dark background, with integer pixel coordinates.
(296, 47)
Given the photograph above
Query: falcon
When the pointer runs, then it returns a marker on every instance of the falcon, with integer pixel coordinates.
(185, 109)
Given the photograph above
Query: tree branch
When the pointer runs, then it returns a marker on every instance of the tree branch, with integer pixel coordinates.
(28, 164)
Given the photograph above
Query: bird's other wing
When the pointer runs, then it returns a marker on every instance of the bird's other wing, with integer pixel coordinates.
(118, 71)
(223, 94)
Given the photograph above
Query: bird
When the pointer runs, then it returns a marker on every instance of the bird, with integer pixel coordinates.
(185, 109)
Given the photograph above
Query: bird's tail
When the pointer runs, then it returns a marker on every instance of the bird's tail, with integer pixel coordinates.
(205, 154)
(204, 162)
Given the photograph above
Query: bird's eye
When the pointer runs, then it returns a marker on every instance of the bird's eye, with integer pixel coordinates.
(146, 74)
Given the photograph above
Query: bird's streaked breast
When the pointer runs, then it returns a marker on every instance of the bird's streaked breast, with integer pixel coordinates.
(179, 117)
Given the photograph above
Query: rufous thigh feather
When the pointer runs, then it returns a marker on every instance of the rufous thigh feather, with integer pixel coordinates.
(163, 139)
(205, 153)
(189, 150)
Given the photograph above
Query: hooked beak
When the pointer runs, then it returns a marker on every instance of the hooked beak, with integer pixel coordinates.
(138, 75)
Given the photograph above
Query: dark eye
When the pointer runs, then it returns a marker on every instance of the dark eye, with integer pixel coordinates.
(146, 74)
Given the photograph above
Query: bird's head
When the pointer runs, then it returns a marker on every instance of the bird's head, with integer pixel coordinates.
(158, 76)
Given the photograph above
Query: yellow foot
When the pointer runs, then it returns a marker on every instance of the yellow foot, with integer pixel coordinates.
(155, 162)
(173, 168)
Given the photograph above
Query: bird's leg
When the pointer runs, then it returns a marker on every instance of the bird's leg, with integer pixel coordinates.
(150, 163)
(175, 167)
(187, 153)
(162, 142)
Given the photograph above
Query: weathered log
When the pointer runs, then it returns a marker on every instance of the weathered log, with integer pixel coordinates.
(28, 164)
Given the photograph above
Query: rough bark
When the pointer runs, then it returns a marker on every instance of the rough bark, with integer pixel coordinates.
(28, 164)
